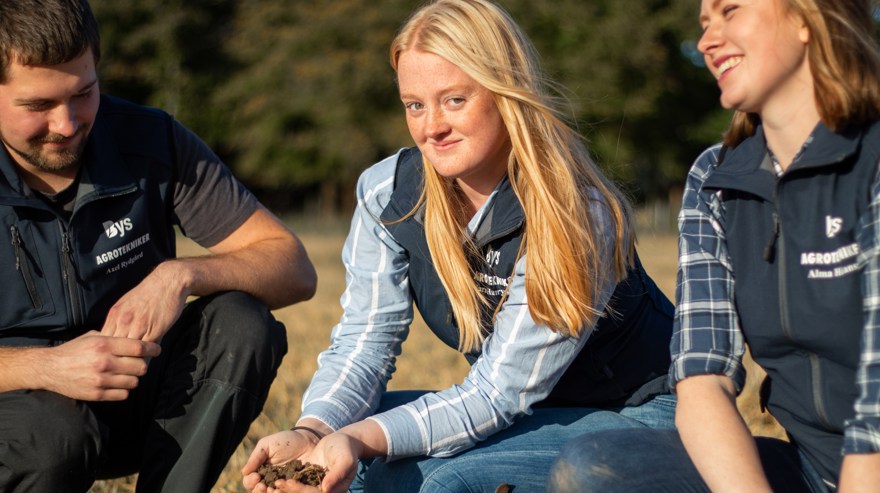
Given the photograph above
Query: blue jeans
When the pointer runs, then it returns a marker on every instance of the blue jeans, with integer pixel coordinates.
(520, 455)
(655, 461)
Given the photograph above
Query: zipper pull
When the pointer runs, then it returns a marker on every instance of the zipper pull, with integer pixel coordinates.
(770, 249)
(16, 245)
(65, 249)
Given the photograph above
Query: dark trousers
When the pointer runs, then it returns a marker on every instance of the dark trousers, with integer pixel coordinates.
(177, 429)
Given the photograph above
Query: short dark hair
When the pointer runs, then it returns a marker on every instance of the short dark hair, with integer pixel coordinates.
(46, 32)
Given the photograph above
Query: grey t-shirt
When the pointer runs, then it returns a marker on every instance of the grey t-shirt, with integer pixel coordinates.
(209, 202)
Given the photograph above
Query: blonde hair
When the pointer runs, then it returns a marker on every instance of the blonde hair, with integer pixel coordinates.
(844, 61)
(549, 169)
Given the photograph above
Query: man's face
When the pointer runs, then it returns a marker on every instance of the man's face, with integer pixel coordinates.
(46, 113)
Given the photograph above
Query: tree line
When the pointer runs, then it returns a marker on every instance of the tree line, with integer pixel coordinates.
(298, 97)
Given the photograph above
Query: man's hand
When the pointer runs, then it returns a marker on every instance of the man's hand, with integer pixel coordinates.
(94, 367)
(151, 308)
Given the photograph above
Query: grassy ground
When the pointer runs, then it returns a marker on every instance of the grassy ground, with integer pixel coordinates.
(309, 325)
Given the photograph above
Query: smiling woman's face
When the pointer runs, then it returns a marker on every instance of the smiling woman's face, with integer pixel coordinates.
(757, 50)
(453, 120)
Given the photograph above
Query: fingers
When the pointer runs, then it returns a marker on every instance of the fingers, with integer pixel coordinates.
(133, 348)
(252, 483)
(257, 458)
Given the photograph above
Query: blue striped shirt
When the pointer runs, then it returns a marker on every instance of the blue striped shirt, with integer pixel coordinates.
(520, 361)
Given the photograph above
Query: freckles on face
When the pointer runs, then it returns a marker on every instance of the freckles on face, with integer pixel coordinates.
(452, 119)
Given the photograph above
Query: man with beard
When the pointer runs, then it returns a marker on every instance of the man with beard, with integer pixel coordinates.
(106, 369)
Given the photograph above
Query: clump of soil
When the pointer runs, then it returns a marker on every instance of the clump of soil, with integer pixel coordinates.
(310, 474)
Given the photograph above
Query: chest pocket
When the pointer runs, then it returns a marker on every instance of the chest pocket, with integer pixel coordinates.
(26, 298)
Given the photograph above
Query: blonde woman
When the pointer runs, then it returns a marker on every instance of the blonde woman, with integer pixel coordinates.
(516, 251)
(780, 247)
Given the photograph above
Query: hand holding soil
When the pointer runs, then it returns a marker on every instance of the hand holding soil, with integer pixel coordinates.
(310, 474)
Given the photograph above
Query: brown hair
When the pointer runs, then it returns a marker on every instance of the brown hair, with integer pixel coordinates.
(845, 64)
(46, 32)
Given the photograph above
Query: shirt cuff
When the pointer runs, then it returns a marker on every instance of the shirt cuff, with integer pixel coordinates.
(404, 432)
(690, 364)
(862, 436)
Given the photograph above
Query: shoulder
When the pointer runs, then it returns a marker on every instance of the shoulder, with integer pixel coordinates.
(376, 184)
(706, 162)
(118, 110)
(133, 129)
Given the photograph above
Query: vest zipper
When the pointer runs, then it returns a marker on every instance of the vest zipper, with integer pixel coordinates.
(816, 374)
(770, 249)
(69, 275)
(21, 265)
(815, 370)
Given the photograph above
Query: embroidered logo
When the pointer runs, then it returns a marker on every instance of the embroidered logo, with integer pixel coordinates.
(832, 226)
(117, 228)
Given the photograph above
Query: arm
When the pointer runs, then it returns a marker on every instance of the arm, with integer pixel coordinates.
(520, 364)
(90, 367)
(261, 257)
(705, 413)
(860, 473)
(861, 464)
(707, 346)
(353, 372)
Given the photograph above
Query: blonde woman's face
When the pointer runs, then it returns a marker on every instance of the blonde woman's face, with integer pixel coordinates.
(453, 120)
(757, 50)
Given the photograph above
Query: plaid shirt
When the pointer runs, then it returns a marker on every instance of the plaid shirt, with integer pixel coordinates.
(707, 337)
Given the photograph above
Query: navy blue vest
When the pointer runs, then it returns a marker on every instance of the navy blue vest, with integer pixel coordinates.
(794, 244)
(627, 357)
(61, 277)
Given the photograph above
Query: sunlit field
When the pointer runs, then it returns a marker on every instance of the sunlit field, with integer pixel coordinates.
(308, 330)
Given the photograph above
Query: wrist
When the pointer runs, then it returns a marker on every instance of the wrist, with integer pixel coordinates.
(314, 435)
(178, 275)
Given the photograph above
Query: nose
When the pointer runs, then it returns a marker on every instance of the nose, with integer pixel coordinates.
(436, 125)
(710, 39)
(63, 120)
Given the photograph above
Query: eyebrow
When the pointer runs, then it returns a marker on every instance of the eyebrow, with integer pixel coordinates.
(457, 88)
(714, 6)
(81, 90)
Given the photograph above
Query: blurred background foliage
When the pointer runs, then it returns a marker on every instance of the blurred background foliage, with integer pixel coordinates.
(298, 97)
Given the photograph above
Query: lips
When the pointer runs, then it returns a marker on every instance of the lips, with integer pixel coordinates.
(727, 64)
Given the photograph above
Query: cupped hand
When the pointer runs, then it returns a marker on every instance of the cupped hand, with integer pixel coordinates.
(280, 448)
(339, 453)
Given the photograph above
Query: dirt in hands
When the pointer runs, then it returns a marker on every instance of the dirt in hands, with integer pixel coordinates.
(305, 473)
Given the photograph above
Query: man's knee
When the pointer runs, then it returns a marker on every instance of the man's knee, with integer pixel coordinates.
(242, 337)
(244, 325)
(47, 439)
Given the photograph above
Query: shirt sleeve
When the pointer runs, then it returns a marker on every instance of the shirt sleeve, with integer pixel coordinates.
(520, 363)
(377, 311)
(862, 433)
(706, 338)
(209, 202)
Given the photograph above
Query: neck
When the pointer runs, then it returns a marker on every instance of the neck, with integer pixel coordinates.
(785, 137)
(47, 182)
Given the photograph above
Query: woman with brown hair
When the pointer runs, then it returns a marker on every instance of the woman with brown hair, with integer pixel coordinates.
(778, 249)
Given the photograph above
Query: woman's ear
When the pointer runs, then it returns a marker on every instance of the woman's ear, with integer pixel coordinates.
(803, 32)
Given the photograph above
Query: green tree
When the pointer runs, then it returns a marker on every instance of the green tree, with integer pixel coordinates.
(298, 96)
(316, 101)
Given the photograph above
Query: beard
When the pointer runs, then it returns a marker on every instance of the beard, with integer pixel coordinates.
(51, 161)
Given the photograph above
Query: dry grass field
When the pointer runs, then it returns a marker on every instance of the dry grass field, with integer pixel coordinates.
(308, 330)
